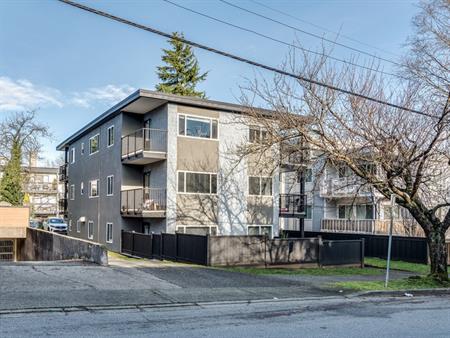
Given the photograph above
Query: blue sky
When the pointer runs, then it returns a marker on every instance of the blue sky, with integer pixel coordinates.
(73, 65)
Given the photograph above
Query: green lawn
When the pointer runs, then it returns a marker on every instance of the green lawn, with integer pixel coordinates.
(308, 271)
(410, 283)
(421, 269)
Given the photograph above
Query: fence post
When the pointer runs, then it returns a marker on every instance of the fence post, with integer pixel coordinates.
(265, 250)
(176, 246)
(319, 242)
(208, 261)
(161, 249)
(362, 253)
(132, 243)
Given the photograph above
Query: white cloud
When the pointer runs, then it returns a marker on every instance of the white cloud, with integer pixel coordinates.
(109, 94)
(22, 95)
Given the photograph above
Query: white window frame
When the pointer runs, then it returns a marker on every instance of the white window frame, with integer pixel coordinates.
(106, 232)
(72, 192)
(90, 227)
(70, 225)
(260, 186)
(78, 226)
(260, 133)
(98, 144)
(109, 131)
(184, 227)
(198, 118)
(82, 188)
(72, 155)
(82, 148)
(90, 188)
(108, 179)
(353, 211)
(198, 193)
(259, 228)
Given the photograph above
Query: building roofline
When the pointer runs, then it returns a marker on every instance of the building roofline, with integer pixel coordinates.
(169, 98)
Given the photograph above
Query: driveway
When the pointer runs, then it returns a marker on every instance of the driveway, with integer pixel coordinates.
(136, 282)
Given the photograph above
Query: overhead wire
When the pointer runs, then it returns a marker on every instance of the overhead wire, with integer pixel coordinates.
(240, 59)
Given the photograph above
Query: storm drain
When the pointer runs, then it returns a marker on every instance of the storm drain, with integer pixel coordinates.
(6, 250)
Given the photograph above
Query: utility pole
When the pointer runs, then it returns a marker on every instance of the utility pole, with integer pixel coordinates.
(390, 241)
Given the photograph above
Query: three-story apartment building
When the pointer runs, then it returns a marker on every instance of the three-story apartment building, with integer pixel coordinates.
(165, 163)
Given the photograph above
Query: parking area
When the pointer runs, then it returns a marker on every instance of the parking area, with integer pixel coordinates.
(135, 282)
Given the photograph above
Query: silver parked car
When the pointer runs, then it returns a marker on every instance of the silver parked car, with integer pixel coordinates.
(55, 224)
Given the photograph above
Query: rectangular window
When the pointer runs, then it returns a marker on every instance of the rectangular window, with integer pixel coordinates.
(308, 212)
(364, 211)
(91, 230)
(78, 226)
(199, 183)
(93, 188)
(259, 230)
(94, 144)
(256, 134)
(72, 192)
(110, 185)
(72, 155)
(260, 186)
(82, 148)
(197, 127)
(308, 175)
(82, 188)
(110, 136)
(109, 232)
(345, 212)
(70, 225)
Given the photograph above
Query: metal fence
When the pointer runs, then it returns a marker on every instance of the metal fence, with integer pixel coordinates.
(409, 249)
(144, 139)
(137, 201)
(242, 250)
(177, 247)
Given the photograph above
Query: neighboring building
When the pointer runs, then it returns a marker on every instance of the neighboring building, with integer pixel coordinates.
(339, 202)
(164, 163)
(42, 191)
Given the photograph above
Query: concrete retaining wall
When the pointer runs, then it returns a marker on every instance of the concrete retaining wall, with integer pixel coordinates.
(42, 245)
(257, 250)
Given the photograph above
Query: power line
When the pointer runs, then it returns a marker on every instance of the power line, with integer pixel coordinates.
(322, 28)
(238, 58)
(281, 41)
(309, 33)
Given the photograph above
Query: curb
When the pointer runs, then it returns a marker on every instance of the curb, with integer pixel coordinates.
(404, 293)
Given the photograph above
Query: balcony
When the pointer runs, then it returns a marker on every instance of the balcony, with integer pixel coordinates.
(292, 205)
(402, 227)
(143, 202)
(344, 187)
(44, 209)
(62, 204)
(41, 188)
(63, 173)
(144, 146)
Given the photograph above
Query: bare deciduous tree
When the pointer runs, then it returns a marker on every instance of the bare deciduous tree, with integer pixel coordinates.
(410, 152)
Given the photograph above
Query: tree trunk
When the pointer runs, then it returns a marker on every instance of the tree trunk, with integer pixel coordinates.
(438, 255)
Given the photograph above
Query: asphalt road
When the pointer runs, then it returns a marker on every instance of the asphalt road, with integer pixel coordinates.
(326, 317)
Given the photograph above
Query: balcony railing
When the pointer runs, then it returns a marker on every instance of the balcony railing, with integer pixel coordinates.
(63, 173)
(41, 188)
(372, 226)
(146, 139)
(143, 201)
(292, 205)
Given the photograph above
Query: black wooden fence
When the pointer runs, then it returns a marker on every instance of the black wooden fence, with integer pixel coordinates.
(409, 249)
(243, 250)
(178, 247)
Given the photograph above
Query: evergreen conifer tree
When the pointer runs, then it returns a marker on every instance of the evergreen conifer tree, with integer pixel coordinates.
(181, 73)
(11, 182)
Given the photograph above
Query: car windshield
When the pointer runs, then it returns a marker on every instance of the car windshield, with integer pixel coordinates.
(55, 221)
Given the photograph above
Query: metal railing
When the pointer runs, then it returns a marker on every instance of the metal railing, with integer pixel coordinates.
(144, 139)
(372, 226)
(41, 187)
(292, 204)
(63, 173)
(137, 201)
